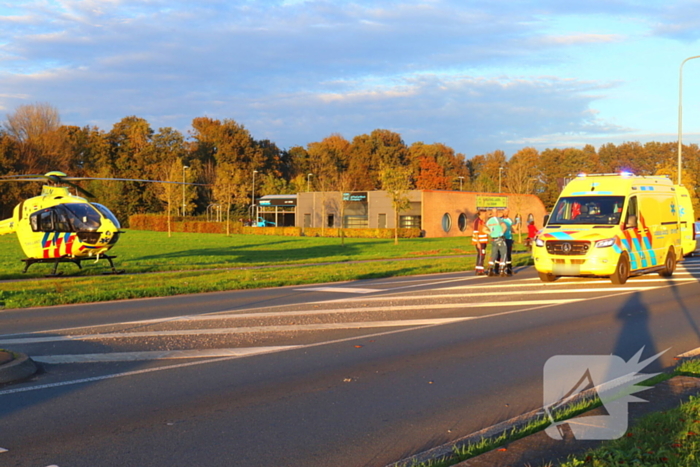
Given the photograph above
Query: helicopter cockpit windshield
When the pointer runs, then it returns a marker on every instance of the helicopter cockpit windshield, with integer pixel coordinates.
(107, 213)
(82, 217)
(69, 217)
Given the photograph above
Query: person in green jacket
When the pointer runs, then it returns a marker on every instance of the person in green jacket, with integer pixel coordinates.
(497, 229)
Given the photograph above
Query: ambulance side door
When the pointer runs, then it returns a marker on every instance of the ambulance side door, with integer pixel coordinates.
(632, 236)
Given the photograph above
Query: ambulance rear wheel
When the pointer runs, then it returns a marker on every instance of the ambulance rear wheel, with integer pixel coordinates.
(669, 264)
(546, 277)
(622, 270)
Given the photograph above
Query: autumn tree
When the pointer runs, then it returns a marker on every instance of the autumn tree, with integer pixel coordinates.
(230, 187)
(299, 165)
(431, 176)
(327, 162)
(230, 147)
(558, 166)
(369, 152)
(488, 171)
(131, 156)
(10, 193)
(169, 193)
(436, 166)
(396, 181)
(521, 173)
(35, 127)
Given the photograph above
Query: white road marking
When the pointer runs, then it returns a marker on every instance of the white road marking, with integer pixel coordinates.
(501, 293)
(566, 281)
(9, 338)
(244, 330)
(175, 367)
(339, 290)
(317, 344)
(106, 377)
(158, 355)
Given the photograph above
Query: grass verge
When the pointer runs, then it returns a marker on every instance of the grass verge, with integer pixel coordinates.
(670, 438)
(197, 263)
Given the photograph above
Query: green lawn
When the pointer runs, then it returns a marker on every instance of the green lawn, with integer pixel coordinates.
(224, 263)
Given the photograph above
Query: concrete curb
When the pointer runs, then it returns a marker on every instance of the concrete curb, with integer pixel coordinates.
(18, 369)
(447, 449)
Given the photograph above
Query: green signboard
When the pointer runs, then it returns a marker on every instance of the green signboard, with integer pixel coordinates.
(487, 202)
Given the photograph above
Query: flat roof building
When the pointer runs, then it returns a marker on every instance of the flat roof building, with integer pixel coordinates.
(436, 213)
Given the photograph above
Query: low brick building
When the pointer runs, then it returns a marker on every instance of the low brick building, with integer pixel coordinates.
(437, 213)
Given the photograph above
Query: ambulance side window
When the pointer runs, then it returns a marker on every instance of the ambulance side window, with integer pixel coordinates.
(632, 213)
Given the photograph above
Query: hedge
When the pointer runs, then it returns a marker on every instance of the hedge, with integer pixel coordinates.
(159, 223)
(360, 233)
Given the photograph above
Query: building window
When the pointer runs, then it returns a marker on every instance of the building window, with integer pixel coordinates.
(381, 221)
(446, 222)
(462, 222)
(356, 222)
(331, 220)
(410, 222)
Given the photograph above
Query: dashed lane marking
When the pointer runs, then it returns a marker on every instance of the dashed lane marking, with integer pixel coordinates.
(339, 290)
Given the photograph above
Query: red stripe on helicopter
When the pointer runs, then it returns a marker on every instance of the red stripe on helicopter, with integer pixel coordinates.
(57, 243)
(70, 238)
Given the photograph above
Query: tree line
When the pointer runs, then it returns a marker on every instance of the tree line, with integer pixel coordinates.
(225, 160)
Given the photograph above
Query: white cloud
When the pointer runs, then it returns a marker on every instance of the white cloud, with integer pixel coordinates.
(580, 39)
(471, 75)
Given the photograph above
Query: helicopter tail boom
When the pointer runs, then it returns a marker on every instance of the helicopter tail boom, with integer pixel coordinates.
(7, 226)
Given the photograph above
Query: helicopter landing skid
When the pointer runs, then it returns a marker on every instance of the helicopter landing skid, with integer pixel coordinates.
(56, 261)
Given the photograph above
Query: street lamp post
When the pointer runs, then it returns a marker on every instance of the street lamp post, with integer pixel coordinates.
(184, 203)
(461, 179)
(500, 170)
(252, 199)
(680, 117)
(308, 182)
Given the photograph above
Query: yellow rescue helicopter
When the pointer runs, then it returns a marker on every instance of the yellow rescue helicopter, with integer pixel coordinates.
(59, 227)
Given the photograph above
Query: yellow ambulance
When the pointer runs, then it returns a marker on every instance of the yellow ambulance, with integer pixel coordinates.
(611, 225)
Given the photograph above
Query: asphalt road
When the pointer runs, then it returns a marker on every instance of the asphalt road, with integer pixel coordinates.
(353, 374)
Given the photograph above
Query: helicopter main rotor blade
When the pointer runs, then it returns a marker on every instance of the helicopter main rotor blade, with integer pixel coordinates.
(22, 178)
(68, 180)
(79, 188)
(130, 180)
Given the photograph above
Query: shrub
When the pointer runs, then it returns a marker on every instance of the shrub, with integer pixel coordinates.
(159, 223)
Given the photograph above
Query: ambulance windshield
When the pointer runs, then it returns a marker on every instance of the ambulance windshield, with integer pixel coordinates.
(595, 210)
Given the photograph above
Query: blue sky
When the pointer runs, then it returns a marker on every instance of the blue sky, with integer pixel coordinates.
(476, 75)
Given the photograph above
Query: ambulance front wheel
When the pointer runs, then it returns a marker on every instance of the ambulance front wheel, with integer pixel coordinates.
(546, 277)
(669, 264)
(622, 270)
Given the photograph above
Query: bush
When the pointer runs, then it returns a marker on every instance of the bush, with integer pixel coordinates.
(360, 233)
(159, 223)
(282, 231)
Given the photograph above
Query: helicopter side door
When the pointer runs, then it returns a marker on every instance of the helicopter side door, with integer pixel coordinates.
(53, 219)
